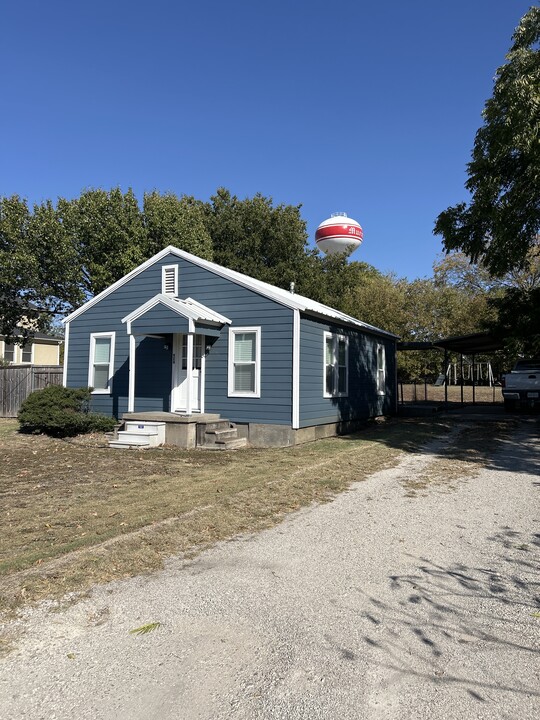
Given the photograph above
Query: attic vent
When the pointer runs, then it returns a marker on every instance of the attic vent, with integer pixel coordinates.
(169, 280)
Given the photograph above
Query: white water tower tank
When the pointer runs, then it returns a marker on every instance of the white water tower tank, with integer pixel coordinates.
(339, 234)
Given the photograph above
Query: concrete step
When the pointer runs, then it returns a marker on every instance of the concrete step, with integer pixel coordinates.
(152, 428)
(217, 425)
(137, 438)
(220, 435)
(208, 431)
(122, 445)
(234, 444)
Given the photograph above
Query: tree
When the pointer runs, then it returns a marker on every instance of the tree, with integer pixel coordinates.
(39, 270)
(501, 224)
(255, 237)
(170, 220)
(107, 233)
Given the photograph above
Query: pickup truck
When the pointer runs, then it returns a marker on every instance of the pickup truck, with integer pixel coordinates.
(521, 387)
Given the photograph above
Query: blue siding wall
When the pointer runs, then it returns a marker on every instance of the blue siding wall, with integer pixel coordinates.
(362, 401)
(160, 319)
(153, 376)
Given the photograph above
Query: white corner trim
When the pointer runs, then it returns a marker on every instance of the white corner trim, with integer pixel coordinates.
(131, 386)
(296, 371)
(66, 348)
(230, 389)
(93, 336)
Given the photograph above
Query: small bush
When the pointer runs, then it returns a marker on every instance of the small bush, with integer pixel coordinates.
(61, 412)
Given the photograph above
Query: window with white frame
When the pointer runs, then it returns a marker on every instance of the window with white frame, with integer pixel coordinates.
(336, 365)
(101, 362)
(169, 280)
(9, 352)
(381, 370)
(26, 353)
(245, 361)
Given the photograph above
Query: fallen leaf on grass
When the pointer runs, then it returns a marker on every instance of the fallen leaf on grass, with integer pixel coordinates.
(145, 628)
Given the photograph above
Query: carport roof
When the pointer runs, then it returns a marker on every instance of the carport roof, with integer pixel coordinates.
(466, 344)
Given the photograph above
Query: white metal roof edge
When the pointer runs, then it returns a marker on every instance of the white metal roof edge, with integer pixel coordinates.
(283, 297)
(169, 302)
(215, 316)
(293, 301)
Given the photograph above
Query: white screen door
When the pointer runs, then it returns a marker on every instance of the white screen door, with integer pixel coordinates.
(179, 391)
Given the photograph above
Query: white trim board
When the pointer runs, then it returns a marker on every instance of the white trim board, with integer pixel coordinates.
(296, 371)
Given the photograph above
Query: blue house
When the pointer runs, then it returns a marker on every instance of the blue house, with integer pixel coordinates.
(183, 340)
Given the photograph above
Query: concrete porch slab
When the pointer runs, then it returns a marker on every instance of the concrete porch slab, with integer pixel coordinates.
(171, 417)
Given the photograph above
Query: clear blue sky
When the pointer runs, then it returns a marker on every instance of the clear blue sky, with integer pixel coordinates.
(361, 106)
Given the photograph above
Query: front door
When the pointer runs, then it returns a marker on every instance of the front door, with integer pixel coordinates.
(179, 390)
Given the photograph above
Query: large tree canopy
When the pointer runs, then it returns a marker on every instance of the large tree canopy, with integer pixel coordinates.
(39, 267)
(256, 237)
(501, 223)
(53, 257)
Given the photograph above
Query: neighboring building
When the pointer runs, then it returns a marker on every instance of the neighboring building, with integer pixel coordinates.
(39, 350)
(181, 334)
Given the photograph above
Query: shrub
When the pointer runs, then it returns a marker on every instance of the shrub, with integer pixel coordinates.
(61, 412)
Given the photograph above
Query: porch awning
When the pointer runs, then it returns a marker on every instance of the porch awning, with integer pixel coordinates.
(163, 315)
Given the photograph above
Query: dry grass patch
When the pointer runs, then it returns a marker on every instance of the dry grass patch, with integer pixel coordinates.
(74, 512)
(463, 459)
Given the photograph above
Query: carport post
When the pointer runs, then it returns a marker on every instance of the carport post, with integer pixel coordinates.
(461, 370)
(445, 376)
(473, 382)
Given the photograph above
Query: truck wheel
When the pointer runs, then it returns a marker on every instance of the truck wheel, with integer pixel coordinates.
(509, 406)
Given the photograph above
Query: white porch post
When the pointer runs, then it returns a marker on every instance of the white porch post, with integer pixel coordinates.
(131, 392)
(189, 372)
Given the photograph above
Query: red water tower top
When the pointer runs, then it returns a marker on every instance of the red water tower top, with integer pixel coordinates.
(339, 234)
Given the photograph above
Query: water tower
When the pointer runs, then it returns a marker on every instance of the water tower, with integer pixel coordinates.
(339, 234)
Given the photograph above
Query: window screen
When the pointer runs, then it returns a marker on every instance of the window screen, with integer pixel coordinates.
(244, 361)
(100, 371)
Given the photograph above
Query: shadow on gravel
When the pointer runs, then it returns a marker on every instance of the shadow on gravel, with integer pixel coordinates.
(475, 628)
(497, 442)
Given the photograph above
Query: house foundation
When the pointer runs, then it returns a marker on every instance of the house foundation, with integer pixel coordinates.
(211, 432)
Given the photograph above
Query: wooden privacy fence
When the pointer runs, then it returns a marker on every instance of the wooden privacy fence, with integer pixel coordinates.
(17, 382)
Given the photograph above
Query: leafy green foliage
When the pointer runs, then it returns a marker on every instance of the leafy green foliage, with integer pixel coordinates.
(502, 222)
(38, 268)
(170, 220)
(107, 233)
(257, 238)
(61, 412)
(518, 321)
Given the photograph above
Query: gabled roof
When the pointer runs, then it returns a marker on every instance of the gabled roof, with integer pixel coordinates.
(187, 308)
(283, 297)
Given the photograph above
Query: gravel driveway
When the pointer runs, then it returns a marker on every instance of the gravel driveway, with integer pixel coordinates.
(381, 604)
